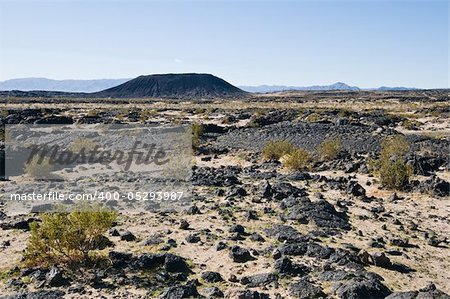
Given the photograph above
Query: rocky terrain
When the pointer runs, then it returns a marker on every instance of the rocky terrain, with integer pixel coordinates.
(254, 228)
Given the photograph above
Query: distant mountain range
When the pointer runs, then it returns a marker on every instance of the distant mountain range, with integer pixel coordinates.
(97, 85)
(335, 86)
(273, 88)
(28, 84)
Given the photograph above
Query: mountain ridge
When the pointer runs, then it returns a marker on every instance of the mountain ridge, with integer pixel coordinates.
(98, 85)
(66, 85)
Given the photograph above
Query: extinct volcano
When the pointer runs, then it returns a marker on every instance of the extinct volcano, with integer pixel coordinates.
(173, 86)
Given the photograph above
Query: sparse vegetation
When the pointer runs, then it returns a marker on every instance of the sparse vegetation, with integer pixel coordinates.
(82, 143)
(299, 159)
(122, 114)
(197, 131)
(410, 124)
(277, 149)
(92, 113)
(313, 117)
(39, 167)
(329, 149)
(146, 113)
(68, 238)
(391, 168)
(199, 110)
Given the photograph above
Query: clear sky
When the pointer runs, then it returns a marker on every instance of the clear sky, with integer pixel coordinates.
(362, 43)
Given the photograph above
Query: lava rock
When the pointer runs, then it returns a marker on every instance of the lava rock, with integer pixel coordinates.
(305, 289)
(128, 236)
(193, 239)
(240, 255)
(211, 276)
(55, 278)
(360, 287)
(381, 260)
(259, 280)
(181, 291)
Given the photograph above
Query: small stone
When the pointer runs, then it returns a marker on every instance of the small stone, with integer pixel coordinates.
(192, 239)
(128, 236)
(381, 260)
(276, 254)
(211, 276)
(364, 257)
(114, 232)
(184, 224)
(237, 229)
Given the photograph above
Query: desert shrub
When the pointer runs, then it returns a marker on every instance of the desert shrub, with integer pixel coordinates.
(313, 117)
(67, 238)
(329, 149)
(199, 110)
(343, 112)
(38, 167)
(277, 149)
(145, 114)
(391, 168)
(394, 174)
(299, 159)
(396, 146)
(92, 113)
(197, 131)
(410, 124)
(123, 113)
(260, 112)
(82, 143)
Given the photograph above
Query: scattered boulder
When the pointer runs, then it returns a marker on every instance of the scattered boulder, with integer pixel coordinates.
(213, 292)
(248, 294)
(55, 278)
(429, 292)
(193, 238)
(304, 289)
(174, 263)
(211, 276)
(240, 255)
(360, 287)
(258, 280)
(181, 291)
(381, 260)
(356, 189)
(128, 236)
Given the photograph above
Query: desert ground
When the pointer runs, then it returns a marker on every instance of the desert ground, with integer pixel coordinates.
(256, 228)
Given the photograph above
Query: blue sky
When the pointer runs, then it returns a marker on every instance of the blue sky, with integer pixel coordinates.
(363, 43)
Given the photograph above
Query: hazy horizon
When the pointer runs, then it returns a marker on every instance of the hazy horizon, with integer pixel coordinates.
(252, 43)
(241, 85)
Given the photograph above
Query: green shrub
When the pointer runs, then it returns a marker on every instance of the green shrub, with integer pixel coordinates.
(67, 238)
(92, 112)
(80, 144)
(313, 117)
(394, 174)
(197, 131)
(329, 149)
(396, 146)
(146, 113)
(38, 169)
(299, 159)
(391, 167)
(277, 149)
(410, 124)
(199, 110)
